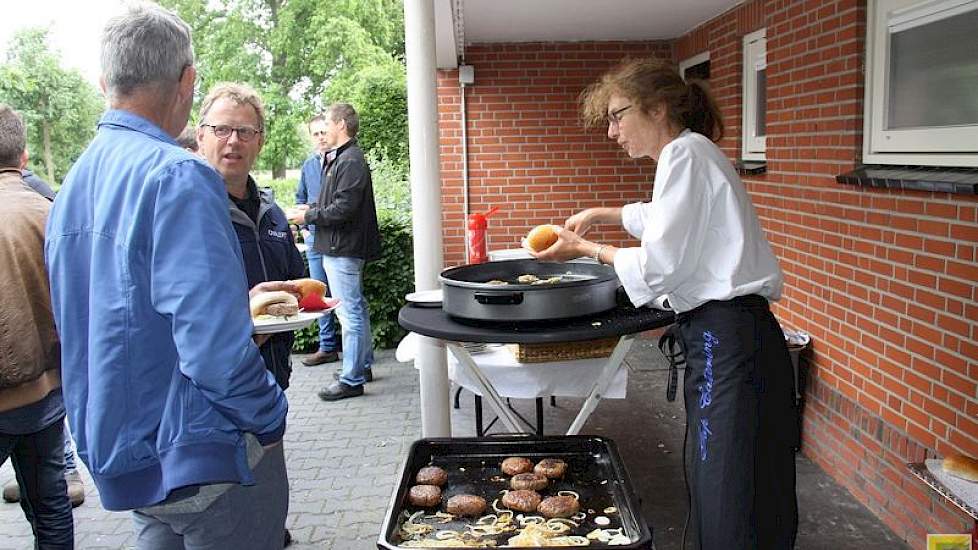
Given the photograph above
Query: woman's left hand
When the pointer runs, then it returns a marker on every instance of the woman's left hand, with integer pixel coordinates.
(569, 246)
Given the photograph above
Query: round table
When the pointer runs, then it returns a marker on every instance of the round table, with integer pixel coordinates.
(620, 321)
(624, 321)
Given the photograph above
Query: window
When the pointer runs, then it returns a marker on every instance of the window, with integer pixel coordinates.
(697, 66)
(755, 96)
(922, 83)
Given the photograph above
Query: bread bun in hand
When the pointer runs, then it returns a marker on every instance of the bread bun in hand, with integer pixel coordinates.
(541, 237)
(961, 466)
(277, 303)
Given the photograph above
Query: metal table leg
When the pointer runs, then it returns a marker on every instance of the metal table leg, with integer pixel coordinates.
(601, 384)
(488, 391)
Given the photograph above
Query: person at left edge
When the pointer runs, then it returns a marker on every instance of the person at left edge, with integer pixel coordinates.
(174, 413)
(31, 405)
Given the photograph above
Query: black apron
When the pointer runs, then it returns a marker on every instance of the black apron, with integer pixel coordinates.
(742, 426)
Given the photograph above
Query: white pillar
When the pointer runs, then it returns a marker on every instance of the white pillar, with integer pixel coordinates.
(419, 45)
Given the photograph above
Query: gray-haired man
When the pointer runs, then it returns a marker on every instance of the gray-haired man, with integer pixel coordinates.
(175, 415)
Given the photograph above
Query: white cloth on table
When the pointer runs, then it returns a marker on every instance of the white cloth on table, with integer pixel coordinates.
(530, 380)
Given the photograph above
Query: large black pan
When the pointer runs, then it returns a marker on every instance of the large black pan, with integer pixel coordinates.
(584, 289)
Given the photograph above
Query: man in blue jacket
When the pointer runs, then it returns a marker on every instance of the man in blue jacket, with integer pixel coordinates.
(310, 181)
(230, 136)
(173, 410)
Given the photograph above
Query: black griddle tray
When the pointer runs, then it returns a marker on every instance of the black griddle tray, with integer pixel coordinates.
(595, 471)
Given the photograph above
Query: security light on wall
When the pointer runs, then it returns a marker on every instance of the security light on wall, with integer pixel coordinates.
(466, 75)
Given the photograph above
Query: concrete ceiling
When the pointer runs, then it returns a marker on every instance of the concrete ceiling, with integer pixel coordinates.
(482, 21)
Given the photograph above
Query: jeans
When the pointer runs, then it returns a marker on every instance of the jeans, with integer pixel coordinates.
(246, 516)
(327, 329)
(69, 449)
(38, 460)
(346, 276)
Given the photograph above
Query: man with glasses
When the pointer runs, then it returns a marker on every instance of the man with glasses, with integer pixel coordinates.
(231, 135)
(175, 415)
(309, 184)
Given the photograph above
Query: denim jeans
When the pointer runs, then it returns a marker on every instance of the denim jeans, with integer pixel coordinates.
(69, 449)
(346, 277)
(39, 464)
(327, 328)
(246, 516)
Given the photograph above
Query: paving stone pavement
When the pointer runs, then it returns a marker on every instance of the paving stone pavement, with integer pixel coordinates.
(343, 459)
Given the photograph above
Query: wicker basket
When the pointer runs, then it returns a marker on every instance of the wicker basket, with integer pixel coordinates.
(564, 351)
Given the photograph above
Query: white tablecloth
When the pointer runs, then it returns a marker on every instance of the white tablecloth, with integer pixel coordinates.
(530, 380)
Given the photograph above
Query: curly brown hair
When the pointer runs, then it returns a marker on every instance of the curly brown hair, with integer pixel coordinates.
(650, 82)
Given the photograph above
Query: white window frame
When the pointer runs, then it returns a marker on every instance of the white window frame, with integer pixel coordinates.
(695, 60)
(753, 147)
(923, 146)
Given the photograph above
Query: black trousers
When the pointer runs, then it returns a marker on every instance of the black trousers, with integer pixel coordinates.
(39, 465)
(741, 426)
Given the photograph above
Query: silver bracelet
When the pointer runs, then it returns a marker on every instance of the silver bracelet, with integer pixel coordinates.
(597, 252)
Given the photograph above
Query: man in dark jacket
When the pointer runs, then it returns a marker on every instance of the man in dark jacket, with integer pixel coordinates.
(230, 137)
(310, 181)
(348, 237)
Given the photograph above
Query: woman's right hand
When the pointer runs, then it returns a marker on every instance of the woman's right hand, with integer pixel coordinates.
(581, 222)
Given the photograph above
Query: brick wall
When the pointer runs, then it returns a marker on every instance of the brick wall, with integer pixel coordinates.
(527, 149)
(884, 281)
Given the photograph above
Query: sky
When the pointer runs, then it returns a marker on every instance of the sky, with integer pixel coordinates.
(75, 28)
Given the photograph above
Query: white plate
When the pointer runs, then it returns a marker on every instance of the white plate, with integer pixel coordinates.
(285, 324)
(425, 298)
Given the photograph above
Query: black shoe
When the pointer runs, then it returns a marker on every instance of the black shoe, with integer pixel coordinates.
(321, 357)
(368, 375)
(288, 539)
(338, 390)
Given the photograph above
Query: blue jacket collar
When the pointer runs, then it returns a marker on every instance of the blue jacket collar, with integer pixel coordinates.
(132, 121)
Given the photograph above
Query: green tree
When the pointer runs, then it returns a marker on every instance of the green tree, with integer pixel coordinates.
(292, 51)
(59, 106)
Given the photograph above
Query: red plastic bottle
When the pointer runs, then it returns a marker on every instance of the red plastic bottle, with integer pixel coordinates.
(475, 236)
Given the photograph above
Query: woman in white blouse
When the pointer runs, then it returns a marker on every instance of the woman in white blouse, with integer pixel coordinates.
(703, 253)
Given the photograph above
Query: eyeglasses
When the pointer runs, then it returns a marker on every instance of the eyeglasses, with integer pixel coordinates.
(222, 131)
(614, 117)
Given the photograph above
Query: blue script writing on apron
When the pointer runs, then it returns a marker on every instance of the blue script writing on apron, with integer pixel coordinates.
(706, 391)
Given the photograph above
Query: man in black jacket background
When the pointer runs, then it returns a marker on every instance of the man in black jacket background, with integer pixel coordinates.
(348, 237)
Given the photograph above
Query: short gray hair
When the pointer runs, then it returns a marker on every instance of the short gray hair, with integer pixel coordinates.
(146, 46)
(346, 113)
(13, 137)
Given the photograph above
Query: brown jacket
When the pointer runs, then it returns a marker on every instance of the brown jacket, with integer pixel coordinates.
(30, 355)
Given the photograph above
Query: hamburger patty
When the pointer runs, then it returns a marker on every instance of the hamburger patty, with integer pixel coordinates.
(559, 507)
(424, 496)
(521, 501)
(517, 465)
(466, 505)
(431, 475)
(531, 481)
(553, 468)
